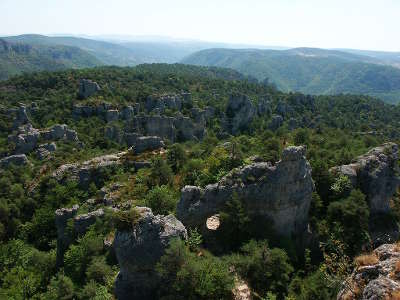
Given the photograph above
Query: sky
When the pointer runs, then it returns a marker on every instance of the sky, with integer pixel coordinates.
(357, 24)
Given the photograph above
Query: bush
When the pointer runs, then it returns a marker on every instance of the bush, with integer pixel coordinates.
(187, 276)
(161, 200)
(268, 270)
(125, 220)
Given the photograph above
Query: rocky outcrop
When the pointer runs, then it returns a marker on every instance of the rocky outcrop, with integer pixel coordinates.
(144, 143)
(45, 150)
(172, 102)
(139, 250)
(240, 112)
(276, 122)
(27, 138)
(83, 222)
(17, 160)
(88, 171)
(376, 174)
(21, 117)
(377, 276)
(105, 111)
(64, 237)
(279, 193)
(167, 128)
(87, 88)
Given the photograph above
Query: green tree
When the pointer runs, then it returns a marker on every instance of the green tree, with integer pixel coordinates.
(161, 200)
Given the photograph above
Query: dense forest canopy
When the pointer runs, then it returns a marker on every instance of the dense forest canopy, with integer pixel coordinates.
(334, 129)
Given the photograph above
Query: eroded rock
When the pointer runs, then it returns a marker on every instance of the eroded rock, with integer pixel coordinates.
(87, 88)
(376, 174)
(17, 160)
(280, 193)
(139, 250)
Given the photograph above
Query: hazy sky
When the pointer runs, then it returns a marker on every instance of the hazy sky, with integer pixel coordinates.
(362, 24)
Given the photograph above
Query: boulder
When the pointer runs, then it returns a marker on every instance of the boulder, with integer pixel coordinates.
(139, 250)
(87, 88)
(17, 160)
(376, 280)
(45, 150)
(240, 112)
(57, 132)
(25, 143)
(376, 174)
(127, 112)
(264, 106)
(280, 193)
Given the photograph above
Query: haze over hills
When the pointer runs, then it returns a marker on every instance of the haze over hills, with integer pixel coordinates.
(16, 58)
(309, 70)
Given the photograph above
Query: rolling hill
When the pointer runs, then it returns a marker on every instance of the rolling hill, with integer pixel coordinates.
(17, 58)
(107, 53)
(309, 70)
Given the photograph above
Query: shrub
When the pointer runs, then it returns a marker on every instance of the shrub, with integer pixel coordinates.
(125, 220)
(161, 200)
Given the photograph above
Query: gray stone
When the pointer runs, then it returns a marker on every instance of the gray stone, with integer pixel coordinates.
(240, 112)
(71, 135)
(276, 122)
(127, 113)
(280, 193)
(45, 150)
(64, 237)
(139, 250)
(112, 115)
(264, 106)
(17, 160)
(87, 88)
(83, 222)
(376, 174)
(58, 131)
(377, 280)
(113, 133)
(148, 143)
(21, 117)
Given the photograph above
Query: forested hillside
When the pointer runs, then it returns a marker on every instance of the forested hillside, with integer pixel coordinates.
(312, 71)
(17, 58)
(113, 170)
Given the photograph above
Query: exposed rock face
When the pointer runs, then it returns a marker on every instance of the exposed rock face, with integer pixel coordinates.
(376, 174)
(18, 160)
(112, 115)
(280, 193)
(27, 138)
(139, 250)
(21, 117)
(87, 88)
(83, 222)
(284, 109)
(86, 172)
(64, 238)
(264, 107)
(173, 102)
(378, 280)
(145, 143)
(240, 111)
(167, 128)
(276, 122)
(45, 150)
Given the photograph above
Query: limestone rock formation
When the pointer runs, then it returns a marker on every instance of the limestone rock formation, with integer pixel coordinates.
(279, 193)
(18, 160)
(138, 251)
(64, 238)
(83, 222)
(86, 172)
(45, 150)
(21, 117)
(167, 128)
(276, 122)
(376, 174)
(379, 279)
(144, 143)
(172, 102)
(240, 112)
(87, 88)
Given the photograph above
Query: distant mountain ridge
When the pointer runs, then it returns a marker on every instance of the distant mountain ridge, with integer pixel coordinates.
(309, 70)
(17, 58)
